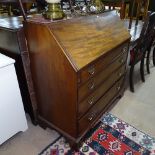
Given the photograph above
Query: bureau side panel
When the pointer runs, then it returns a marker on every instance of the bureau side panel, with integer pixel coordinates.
(55, 81)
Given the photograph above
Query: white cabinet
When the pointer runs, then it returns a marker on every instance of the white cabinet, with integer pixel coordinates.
(12, 115)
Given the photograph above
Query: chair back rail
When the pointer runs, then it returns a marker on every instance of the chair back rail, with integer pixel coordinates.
(147, 34)
(146, 37)
(138, 5)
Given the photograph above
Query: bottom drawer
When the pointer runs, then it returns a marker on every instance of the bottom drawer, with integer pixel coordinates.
(92, 114)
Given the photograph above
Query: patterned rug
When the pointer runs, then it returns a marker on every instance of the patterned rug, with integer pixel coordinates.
(110, 137)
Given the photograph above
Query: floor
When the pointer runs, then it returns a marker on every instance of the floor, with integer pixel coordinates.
(138, 109)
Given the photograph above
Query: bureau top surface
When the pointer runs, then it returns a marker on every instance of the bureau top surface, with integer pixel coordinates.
(87, 38)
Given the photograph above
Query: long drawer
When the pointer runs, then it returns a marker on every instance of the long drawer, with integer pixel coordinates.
(94, 82)
(95, 95)
(99, 65)
(92, 114)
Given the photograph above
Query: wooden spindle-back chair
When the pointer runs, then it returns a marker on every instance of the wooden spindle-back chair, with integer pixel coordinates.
(140, 47)
(151, 40)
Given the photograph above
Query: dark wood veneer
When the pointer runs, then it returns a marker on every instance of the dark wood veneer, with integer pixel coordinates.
(65, 56)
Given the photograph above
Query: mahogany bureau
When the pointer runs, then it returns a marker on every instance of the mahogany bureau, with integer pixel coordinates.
(78, 68)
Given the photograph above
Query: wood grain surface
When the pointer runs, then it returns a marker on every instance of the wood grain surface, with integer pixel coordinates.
(86, 39)
(64, 57)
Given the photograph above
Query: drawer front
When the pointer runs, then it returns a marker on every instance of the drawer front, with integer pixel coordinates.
(93, 69)
(95, 81)
(92, 114)
(95, 95)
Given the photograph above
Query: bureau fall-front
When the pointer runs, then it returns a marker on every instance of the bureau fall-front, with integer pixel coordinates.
(78, 68)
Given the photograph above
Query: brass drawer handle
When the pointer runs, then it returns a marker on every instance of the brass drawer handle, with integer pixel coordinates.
(91, 85)
(91, 101)
(91, 70)
(125, 49)
(121, 60)
(119, 74)
(118, 88)
(91, 117)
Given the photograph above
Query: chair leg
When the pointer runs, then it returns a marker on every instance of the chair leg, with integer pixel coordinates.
(148, 61)
(154, 56)
(131, 78)
(142, 69)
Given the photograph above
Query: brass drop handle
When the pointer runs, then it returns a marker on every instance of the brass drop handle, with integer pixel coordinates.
(124, 49)
(91, 70)
(91, 100)
(91, 85)
(90, 118)
(121, 60)
(118, 88)
(119, 74)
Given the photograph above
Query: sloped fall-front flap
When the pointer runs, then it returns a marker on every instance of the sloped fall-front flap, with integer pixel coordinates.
(85, 39)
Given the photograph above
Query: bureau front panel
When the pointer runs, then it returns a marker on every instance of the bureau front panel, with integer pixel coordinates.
(88, 119)
(90, 100)
(95, 81)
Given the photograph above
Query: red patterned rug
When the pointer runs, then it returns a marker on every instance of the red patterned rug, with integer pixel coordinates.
(110, 137)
